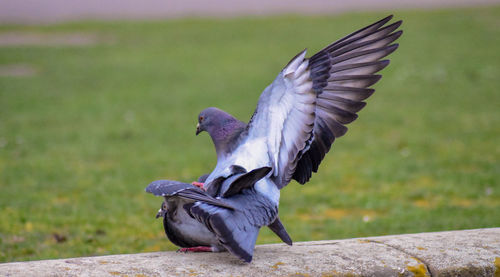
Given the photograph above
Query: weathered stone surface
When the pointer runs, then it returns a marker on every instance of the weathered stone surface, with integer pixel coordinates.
(453, 253)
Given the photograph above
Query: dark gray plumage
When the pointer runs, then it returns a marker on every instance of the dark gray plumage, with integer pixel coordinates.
(192, 218)
(296, 120)
(180, 227)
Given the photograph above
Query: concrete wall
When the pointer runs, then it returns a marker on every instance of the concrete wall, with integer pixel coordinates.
(453, 253)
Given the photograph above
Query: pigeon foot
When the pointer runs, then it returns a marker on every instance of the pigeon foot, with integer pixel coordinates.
(198, 184)
(196, 249)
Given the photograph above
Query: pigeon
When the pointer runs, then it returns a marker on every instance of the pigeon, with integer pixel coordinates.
(298, 117)
(181, 228)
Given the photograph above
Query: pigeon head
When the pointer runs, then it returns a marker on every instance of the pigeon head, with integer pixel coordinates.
(222, 127)
(208, 120)
(216, 122)
(163, 210)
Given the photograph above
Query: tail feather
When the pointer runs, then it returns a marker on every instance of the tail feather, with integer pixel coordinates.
(278, 228)
(234, 232)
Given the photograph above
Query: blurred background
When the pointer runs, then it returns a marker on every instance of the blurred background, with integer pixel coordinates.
(99, 98)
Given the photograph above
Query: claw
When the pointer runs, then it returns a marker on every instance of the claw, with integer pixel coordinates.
(198, 184)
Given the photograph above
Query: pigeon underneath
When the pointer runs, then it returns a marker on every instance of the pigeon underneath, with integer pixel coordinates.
(180, 226)
(298, 117)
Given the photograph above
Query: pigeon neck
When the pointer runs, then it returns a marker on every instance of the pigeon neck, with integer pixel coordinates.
(225, 137)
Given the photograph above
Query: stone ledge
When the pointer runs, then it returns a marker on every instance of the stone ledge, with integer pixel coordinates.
(453, 253)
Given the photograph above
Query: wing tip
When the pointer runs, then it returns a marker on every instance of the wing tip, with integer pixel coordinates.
(391, 48)
(384, 63)
(386, 19)
(151, 187)
(294, 62)
(397, 34)
(395, 25)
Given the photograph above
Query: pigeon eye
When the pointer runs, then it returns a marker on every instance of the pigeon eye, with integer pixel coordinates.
(201, 118)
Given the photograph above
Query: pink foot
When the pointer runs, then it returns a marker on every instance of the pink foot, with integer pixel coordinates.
(198, 184)
(196, 249)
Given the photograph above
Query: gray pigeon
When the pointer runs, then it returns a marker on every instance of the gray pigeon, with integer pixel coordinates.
(296, 120)
(180, 226)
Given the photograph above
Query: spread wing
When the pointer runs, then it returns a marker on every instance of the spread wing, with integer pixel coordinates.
(306, 107)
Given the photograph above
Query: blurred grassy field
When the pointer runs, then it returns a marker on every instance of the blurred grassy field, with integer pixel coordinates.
(82, 137)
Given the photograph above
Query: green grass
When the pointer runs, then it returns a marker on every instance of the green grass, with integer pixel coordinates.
(80, 140)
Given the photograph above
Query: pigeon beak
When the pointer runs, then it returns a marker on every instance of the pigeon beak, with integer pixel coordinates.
(160, 213)
(198, 129)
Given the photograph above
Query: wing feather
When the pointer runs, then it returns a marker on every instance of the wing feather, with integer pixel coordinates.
(342, 73)
(306, 107)
(285, 116)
